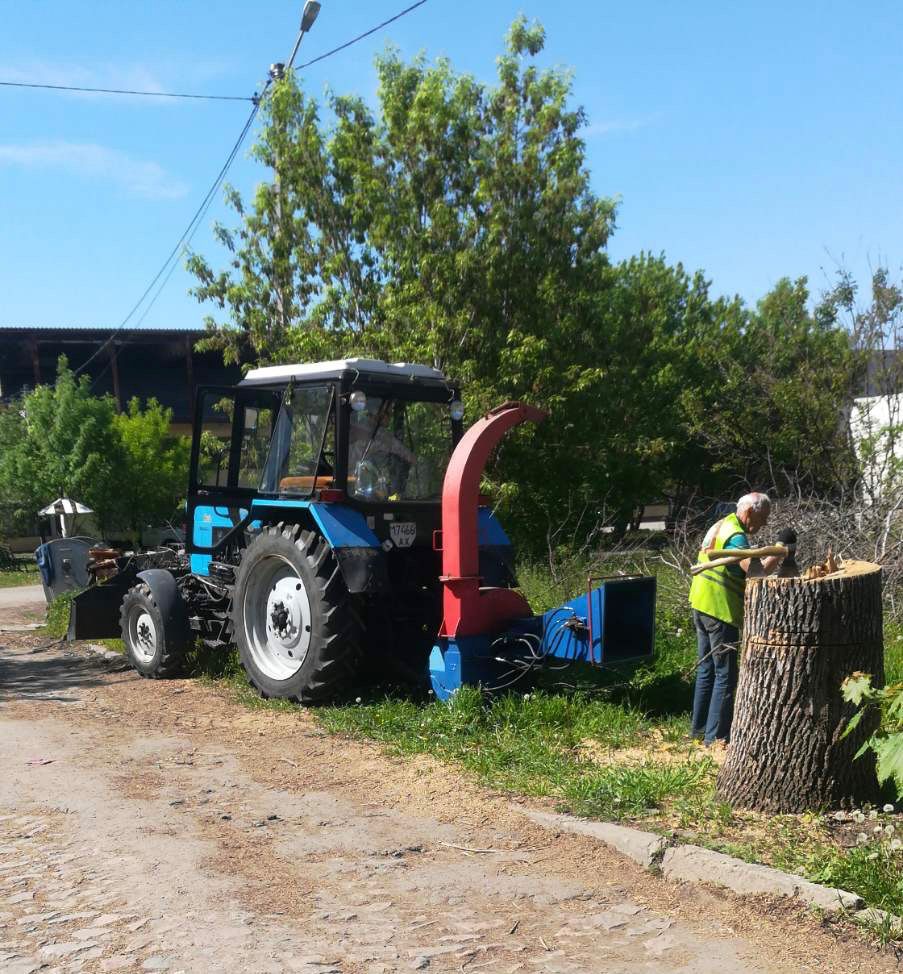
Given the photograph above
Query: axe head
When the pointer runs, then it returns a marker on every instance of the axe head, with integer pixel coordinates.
(789, 568)
(755, 569)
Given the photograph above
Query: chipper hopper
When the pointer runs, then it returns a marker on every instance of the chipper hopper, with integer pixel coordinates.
(335, 528)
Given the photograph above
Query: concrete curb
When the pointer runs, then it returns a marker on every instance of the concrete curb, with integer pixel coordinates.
(693, 864)
(646, 848)
(875, 917)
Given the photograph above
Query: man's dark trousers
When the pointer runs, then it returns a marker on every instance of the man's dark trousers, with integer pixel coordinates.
(716, 678)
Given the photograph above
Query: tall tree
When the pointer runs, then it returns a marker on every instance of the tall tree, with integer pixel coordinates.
(60, 441)
(454, 225)
(153, 477)
(776, 384)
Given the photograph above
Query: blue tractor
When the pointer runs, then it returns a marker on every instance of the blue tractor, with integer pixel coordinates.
(335, 528)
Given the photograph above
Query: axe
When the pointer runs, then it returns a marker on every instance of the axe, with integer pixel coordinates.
(786, 551)
(739, 554)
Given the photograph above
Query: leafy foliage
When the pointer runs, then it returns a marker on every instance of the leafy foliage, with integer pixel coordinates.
(887, 741)
(154, 466)
(62, 441)
(775, 381)
(455, 224)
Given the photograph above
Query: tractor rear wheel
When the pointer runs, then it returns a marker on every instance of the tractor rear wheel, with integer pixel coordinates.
(152, 651)
(296, 630)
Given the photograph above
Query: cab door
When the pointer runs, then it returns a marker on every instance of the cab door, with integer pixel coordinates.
(229, 446)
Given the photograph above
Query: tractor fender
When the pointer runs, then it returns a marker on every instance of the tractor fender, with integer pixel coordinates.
(166, 594)
(361, 560)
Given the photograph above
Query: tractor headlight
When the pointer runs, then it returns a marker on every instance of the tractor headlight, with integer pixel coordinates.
(456, 410)
(358, 400)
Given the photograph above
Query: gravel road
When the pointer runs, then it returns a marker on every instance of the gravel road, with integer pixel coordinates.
(161, 826)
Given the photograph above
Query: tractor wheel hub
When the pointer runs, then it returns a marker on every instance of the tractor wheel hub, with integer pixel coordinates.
(286, 618)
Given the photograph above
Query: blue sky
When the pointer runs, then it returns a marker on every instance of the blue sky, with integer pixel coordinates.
(753, 141)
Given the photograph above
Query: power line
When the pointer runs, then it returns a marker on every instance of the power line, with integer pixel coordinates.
(360, 37)
(125, 91)
(193, 224)
(172, 257)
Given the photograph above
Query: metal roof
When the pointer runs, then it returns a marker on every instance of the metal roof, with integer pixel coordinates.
(274, 374)
(109, 329)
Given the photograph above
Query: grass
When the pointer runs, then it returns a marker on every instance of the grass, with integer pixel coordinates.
(27, 574)
(617, 748)
(57, 622)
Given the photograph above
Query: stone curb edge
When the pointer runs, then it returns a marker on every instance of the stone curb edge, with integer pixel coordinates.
(693, 864)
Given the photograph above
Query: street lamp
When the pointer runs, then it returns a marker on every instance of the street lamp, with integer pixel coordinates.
(308, 16)
(277, 73)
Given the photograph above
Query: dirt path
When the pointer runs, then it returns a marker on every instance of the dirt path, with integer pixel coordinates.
(160, 826)
(21, 595)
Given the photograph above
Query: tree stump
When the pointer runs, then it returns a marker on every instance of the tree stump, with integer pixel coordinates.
(801, 639)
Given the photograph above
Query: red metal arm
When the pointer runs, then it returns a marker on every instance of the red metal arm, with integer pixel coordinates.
(468, 609)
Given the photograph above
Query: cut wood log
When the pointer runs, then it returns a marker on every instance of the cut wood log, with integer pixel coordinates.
(801, 639)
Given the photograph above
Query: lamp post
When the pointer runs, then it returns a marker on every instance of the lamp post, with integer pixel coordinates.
(277, 73)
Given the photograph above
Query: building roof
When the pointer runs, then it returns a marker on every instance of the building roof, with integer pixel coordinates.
(105, 329)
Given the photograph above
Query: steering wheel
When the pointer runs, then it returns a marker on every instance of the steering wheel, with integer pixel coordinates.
(370, 481)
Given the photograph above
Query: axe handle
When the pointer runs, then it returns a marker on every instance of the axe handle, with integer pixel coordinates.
(715, 563)
(739, 554)
(779, 550)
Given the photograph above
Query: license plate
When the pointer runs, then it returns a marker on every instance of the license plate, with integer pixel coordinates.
(403, 533)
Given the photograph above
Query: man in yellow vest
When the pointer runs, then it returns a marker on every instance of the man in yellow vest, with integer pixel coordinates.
(716, 597)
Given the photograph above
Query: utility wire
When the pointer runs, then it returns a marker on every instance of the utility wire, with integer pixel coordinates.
(193, 224)
(186, 236)
(360, 37)
(125, 91)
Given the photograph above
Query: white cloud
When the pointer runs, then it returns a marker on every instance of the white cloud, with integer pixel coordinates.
(596, 129)
(137, 176)
(133, 77)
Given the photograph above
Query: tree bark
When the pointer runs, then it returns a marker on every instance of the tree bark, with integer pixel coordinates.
(801, 639)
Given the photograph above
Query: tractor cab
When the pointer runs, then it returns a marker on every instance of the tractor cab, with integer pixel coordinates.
(368, 438)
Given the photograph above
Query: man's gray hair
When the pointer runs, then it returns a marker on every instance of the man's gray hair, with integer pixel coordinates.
(757, 502)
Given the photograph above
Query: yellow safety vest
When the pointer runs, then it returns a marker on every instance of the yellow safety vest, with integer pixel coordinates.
(718, 592)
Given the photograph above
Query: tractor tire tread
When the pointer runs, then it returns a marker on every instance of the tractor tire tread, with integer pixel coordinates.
(338, 651)
(172, 658)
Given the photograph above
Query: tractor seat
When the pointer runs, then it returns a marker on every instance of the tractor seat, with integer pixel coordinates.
(305, 483)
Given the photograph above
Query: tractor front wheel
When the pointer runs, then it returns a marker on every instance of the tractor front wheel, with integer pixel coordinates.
(152, 651)
(297, 634)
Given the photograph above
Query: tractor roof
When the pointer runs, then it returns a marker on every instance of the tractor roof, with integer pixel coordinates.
(276, 374)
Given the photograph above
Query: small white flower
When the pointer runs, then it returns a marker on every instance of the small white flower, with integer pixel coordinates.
(839, 816)
(872, 856)
(526, 696)
(857, 816)
(878, 830)
(889, 830)
(888, 808)
(679, 632)
(873, 814)
(357, 699)
(861, 838)
(896, 845)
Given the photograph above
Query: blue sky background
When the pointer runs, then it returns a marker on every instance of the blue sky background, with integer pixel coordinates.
(753, 141)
